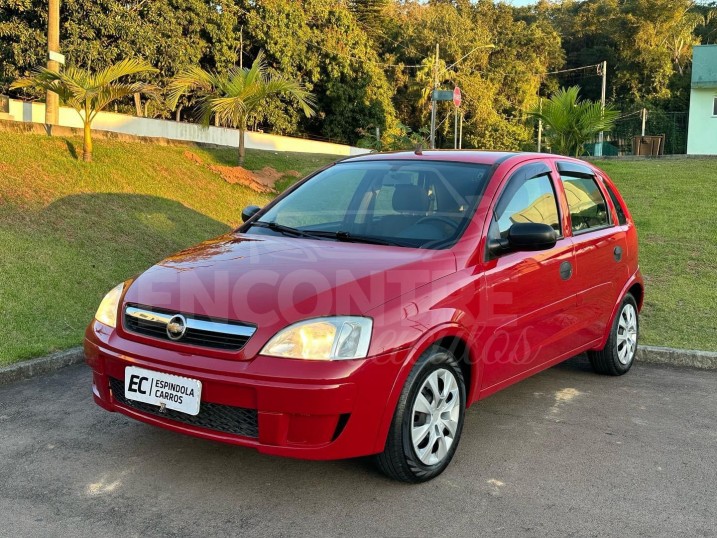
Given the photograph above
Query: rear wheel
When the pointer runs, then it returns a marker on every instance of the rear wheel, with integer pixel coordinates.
(617, 356)
(428, 420)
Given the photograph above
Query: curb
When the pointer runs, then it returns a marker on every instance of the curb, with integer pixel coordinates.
(691, 358)
(43, 365)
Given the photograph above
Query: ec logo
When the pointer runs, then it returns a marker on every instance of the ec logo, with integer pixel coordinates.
(136, 384)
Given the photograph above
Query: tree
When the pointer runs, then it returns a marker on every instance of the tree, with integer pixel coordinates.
(236, 95)
(324, 44)
(571, 122)
(169, 34)
(89, 93)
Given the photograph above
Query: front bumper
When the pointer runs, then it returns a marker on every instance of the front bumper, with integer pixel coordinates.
(302, 409)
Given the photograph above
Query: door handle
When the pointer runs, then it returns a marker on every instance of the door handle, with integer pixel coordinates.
(566, 270)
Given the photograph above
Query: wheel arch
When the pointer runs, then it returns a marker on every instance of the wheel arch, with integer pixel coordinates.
(634, 286)
(451, 337)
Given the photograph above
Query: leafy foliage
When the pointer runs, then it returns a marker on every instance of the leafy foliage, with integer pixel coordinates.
(234, 97)
(370, 63)
(397, 138)
(571, 122)
(90, 92)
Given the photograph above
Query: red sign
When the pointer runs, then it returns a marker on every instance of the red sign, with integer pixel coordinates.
(457, 96)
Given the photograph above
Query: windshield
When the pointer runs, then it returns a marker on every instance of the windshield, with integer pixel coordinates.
(406, 203)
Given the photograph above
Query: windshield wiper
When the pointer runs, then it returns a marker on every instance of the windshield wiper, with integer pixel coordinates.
(286, 230)
(353, 238)
(322, 234)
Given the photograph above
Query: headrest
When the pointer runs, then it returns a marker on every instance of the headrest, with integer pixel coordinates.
(410, 198)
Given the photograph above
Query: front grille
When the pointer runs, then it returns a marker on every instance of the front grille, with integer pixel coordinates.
(221, 418)
(200, 330)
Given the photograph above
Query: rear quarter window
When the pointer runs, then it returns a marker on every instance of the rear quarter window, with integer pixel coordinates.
(621, 217)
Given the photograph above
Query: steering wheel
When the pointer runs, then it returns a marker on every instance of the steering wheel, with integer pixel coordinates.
(444, 220)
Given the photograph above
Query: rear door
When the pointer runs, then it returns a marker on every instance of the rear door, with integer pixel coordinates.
(600, 249)
(530, 295)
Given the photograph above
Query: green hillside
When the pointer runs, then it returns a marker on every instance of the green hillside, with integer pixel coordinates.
(673, 204)
(70, 231)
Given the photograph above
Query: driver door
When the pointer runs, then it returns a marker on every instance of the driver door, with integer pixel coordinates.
(529, 295)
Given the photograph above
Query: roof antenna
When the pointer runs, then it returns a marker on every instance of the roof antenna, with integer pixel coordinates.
(419, 149)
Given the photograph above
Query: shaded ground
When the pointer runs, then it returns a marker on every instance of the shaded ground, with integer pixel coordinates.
(564, 453)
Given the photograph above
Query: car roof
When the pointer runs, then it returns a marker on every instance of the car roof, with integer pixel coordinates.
(464, 156)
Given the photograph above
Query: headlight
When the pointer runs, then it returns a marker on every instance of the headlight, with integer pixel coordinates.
(323, 339)
(107, 312)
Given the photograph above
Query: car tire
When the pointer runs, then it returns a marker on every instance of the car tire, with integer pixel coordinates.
(412, 454)
(617, 356)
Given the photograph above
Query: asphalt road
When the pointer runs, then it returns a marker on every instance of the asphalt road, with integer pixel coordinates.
(564, 453)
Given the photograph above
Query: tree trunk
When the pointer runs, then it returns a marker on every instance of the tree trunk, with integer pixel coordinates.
(242, 151)
(87, 146)
(138, 104)
(178, 117)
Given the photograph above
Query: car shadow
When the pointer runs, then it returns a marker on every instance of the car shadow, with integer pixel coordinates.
(493, 419)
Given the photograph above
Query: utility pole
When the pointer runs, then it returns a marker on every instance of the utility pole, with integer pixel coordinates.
(433, 102)
(601, 137)
(460, 133)
(52, 100)
(644, 120)
(540, 128)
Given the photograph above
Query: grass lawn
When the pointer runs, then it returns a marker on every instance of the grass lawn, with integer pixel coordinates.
(70, 231)
(674, 204)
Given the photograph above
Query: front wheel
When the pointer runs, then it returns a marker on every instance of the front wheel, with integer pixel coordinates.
(428, 420)
(617, 356)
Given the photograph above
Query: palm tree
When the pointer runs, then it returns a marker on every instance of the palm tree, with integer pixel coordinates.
(571, 122)
(89, 93)
(235, 96)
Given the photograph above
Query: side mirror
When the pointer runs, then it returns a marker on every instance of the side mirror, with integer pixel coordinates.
(525, 236)
(248, 212)
(531, 236)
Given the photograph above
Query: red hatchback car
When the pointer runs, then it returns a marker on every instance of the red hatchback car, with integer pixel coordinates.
(363, 310)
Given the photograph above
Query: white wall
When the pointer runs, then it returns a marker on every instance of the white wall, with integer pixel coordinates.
(702, 133)
(189, 132)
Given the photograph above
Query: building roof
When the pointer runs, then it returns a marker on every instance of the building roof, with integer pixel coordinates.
(704, 66)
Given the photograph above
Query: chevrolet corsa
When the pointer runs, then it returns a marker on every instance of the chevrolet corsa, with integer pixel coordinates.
(361, 312)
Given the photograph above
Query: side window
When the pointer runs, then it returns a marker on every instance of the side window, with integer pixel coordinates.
(621, 217)
(588, 208)
(525, 200)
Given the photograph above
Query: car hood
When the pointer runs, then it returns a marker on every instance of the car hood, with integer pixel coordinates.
(271, 280)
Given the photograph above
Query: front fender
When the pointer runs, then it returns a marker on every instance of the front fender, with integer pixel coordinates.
(446, 330)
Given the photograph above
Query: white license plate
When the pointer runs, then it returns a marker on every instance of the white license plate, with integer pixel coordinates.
(164, 390)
